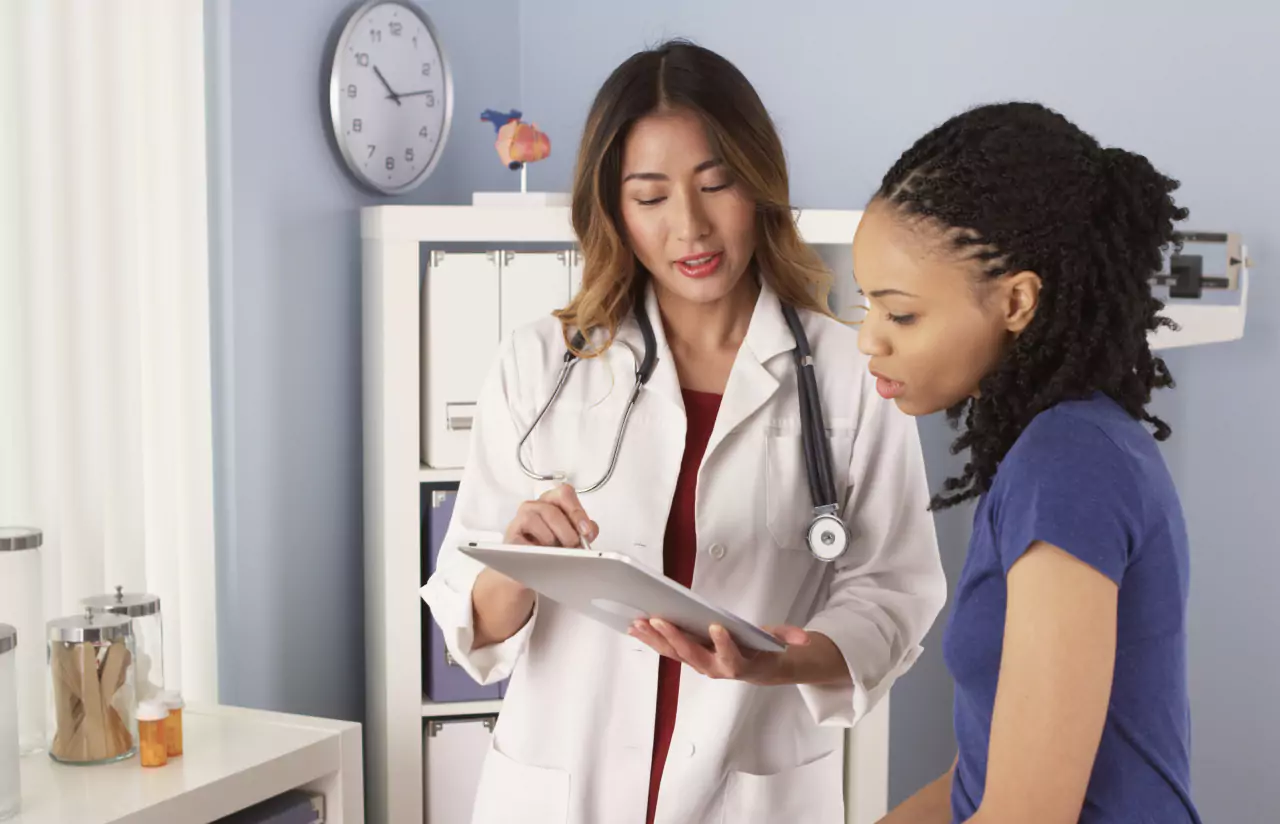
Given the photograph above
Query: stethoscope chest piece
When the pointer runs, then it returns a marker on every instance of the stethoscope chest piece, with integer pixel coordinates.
(828, 537)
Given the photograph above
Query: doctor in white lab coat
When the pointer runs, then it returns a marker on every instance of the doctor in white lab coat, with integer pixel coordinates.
(756, 738)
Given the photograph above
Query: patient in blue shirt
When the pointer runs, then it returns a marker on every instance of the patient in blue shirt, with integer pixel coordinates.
(1088, 479)
(1007, 261)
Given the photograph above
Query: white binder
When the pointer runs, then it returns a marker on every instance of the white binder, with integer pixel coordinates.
(453, 755)
(534, 284)
(470, 303)
(460, 332)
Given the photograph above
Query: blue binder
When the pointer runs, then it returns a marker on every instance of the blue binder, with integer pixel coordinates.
(292, 807)
(444, 679)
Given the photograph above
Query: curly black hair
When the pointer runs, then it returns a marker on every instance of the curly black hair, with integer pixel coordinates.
(1018, 187)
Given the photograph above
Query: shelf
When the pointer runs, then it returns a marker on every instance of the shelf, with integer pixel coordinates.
(457, 709)
(234, 758)
(428, 475)
(543, 224)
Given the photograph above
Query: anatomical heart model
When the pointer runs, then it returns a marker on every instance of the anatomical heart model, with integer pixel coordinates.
(518, 142)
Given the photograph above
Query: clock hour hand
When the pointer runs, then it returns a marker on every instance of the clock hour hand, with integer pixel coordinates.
(413, 94)
(390, 93)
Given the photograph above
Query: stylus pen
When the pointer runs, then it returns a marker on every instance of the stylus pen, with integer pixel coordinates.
(585, 543)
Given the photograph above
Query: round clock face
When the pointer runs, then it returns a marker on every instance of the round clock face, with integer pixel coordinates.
(390, 96)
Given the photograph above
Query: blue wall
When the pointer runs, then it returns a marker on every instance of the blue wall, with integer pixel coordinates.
(851, 85)
(286, 296)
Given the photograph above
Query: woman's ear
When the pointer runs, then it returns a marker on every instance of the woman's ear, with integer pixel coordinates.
(1021, 299)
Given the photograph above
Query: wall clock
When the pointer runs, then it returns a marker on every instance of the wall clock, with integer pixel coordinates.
(390, 96)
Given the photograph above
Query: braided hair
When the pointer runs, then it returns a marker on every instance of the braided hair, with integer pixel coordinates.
(1017, 187)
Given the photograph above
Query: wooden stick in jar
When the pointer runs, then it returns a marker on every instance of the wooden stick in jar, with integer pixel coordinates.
(75, 742)
(114, 672)
(65, 699)
(95, 722)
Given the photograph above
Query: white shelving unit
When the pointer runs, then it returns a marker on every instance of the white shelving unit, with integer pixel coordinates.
(427, 475)
(393, 244)
(394, 238)
(457, 709)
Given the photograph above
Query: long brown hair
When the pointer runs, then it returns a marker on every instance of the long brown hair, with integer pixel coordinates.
(681, 75)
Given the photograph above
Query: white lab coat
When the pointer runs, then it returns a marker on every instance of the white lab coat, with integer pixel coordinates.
(574, 740)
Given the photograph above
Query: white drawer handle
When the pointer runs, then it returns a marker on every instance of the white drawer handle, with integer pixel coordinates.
(458, 416)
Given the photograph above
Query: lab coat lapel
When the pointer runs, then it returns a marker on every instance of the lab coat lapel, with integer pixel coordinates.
(751, 384)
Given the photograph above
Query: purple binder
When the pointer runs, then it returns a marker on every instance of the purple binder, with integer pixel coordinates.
(445, 679)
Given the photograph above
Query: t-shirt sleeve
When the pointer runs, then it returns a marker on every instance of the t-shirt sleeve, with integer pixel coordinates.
(1068, 484)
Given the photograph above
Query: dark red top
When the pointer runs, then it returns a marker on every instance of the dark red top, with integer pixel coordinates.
(679, 551)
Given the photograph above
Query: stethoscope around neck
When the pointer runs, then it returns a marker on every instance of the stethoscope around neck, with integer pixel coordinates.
(827, 536)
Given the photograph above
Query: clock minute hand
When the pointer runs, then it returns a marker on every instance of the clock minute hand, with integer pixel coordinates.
(413, 94)
(390, 93)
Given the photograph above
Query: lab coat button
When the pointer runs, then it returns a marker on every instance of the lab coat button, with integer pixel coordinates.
(717, 551)
(692, 749)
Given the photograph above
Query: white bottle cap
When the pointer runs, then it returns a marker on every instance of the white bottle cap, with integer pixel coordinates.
(152, 711)
(172, 699)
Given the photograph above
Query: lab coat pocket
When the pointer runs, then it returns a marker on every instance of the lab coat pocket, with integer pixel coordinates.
(788, 502)
(812, 793)
(511, 791)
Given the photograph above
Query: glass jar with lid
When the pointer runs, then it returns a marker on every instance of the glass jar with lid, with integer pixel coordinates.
(10, 781)
(21, 588)
(143, 609)
(93, 716)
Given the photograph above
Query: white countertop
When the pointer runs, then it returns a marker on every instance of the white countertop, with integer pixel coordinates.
(233, 758)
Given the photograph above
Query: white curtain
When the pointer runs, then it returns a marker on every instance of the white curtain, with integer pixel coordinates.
(105, 407)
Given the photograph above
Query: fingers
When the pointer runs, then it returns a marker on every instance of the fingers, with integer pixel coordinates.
(651, 637)
(725, 660)
(557, 518)
(688, 651)
(530, 529)
(545, 524)
(566, 499)
(727, 654)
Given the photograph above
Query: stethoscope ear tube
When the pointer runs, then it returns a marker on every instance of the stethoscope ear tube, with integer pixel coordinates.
(822, 447)
(813, 429)
(644, 369)
(806, 433)
(650, 358)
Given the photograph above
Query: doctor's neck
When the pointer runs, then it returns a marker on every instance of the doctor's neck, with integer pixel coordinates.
(708, 325)
(705, 335)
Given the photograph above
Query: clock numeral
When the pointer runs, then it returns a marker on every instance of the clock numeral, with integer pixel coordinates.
(376, 35)
(391, 163)
(431, 100)
(357, 125)
(372, 149)
(408, 156)
(362, 59)
(423, 133)
(426, 69)
(351, 90)
(396, 29)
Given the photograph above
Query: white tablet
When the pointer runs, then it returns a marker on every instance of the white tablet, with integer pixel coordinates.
(615, 590)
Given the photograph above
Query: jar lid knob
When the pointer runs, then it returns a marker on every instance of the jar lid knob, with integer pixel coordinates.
(119, 593)
(88, 614)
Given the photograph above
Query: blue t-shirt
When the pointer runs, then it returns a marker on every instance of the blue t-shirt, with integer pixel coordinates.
(1089, 479)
